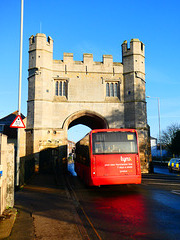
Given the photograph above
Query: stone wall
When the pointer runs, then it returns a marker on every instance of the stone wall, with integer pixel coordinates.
(7, 178)
(10, 175)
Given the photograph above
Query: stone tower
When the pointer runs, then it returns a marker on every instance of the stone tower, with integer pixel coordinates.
(39, 89)
(63, 93)
(134, 84)
(135, 113)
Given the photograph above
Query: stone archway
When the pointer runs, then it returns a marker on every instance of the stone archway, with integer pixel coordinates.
(86, 117)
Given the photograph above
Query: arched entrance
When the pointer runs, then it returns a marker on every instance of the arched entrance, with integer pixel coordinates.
(54, 154)
(88, 118)
(79, 124)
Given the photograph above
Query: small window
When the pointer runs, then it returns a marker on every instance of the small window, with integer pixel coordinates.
(61, 88)
(113, 89)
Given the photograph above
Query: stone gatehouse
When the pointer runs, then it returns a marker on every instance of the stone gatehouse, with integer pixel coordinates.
(63, 93)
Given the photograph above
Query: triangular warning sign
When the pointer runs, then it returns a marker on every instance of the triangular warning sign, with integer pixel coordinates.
(18, 123)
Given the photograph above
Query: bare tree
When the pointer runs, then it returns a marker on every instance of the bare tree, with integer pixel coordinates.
(169, 135)
(176, 143)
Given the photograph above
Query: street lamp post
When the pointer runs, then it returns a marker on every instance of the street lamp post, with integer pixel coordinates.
(158, 101)
(19, 97)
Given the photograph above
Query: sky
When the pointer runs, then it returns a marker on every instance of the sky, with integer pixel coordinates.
(98, 27)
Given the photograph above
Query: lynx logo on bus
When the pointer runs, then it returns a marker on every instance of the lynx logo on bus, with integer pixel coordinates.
(126, 159)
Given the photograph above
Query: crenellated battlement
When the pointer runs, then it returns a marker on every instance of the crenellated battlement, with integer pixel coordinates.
(136, 47)
(41, 55)
(87, 59)
(88, 64)
(40, 41)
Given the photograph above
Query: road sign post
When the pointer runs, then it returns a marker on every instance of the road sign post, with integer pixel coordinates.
(19, 98)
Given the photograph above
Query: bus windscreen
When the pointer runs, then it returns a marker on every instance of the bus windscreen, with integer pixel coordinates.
(114, 143)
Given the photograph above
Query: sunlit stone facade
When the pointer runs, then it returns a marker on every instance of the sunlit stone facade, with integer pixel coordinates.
(63, 93)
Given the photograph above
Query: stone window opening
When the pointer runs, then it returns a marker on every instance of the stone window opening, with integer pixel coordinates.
(61, 87)
(113, 89)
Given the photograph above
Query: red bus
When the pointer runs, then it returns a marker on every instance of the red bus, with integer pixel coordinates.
(108, 157)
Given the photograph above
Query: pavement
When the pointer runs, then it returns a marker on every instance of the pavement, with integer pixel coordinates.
(43, 210)
(7, 220)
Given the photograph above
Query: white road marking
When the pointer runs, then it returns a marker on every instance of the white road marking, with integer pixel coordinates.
(176, 192)
(167, 184)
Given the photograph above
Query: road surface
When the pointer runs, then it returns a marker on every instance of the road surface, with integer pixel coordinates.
(150, 211)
